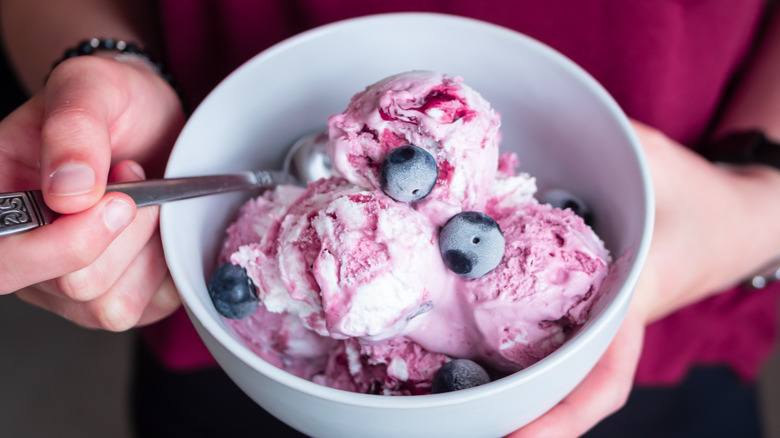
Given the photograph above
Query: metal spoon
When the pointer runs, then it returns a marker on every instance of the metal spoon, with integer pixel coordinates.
(305, 161)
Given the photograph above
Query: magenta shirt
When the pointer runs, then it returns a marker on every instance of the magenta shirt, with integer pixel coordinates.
(667, 63)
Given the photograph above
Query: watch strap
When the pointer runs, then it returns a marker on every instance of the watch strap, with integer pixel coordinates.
(744, 147)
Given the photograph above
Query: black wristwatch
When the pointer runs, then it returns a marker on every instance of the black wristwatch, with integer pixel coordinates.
(744, 147)
(749, 147)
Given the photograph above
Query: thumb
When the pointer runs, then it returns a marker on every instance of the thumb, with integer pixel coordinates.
(75, 144)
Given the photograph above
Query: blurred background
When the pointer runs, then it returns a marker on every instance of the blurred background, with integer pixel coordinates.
(59, 380)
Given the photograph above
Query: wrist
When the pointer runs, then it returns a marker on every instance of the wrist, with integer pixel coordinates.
(766, 180)
(755, 158)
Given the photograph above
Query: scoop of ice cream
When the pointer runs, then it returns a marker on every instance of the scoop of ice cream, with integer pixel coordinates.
(549, 278)
(432, 111)
(348, 262)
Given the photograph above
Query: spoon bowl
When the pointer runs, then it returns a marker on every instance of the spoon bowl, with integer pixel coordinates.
(307, 159)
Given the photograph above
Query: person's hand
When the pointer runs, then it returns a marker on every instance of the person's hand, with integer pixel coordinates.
(101, 263)
(703, 212)
(603, 391)
(690, 258)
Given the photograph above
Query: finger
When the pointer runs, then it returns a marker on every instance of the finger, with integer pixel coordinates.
(603, 391)
(123, 306)
(143, 113)
(163, 303)
(88, 283)
(127, 170)
(70, 243)
(75, 145)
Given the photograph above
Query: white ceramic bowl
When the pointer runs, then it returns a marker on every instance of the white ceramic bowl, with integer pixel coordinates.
(566, 129)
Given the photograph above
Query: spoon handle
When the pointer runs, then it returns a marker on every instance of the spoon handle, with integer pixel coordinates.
(23, 211)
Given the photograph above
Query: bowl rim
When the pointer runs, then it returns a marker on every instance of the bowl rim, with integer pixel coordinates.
(569, 348)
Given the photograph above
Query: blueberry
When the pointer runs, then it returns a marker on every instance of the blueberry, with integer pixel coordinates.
(233, 292)
(471, 244)
(563, 199)
(408, 173)
(458, 374)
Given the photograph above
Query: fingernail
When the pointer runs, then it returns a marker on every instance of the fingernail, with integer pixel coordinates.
(72, 179)
(138, 170)
(118, 214)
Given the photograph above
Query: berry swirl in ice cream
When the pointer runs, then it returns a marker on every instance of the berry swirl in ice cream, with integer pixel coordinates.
(430, 110)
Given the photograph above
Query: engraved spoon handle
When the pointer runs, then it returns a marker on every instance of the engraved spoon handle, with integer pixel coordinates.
(23, 211)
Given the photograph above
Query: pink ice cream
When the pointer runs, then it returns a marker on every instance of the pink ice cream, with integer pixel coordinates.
(435, 112)
(394, 367)
(339, 259)
(343, 274)
(354, 292)
(524, 317)
(549, 277)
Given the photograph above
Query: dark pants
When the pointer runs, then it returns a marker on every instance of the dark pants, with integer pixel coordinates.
(204, 403)
(710, 403)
